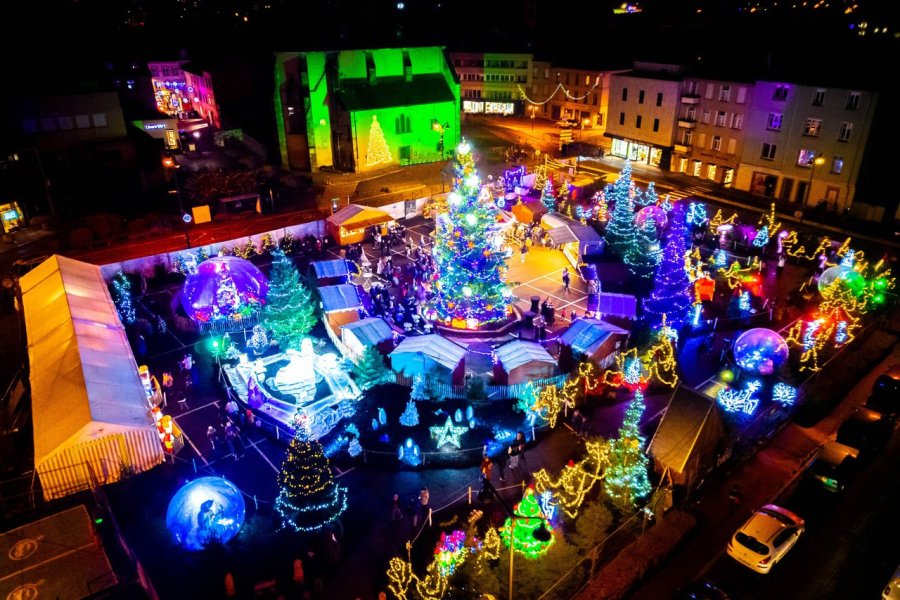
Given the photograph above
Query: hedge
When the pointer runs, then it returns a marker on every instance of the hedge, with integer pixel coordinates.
(618, 577)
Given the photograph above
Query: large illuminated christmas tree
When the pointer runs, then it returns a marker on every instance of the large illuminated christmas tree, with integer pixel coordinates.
(378, 151)
(672, 293)
(626, 477)
(621, 233)
(290, 311)
(645, 255)
(310, 497)
(521, 533)
(470, 286)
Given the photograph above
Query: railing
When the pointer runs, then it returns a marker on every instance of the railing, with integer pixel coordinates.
(491, 392)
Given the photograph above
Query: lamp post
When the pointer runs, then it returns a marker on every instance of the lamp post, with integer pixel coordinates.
(813, 164)
(169, 163)
(436, 125)
(533, 108)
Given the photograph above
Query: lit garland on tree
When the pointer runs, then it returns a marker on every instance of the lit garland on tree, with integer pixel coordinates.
(410, 416)
(290, 311)
(671, 294)
(646, 254)
(309, 497)
(626, 477)
(121, 294)
(369, 370)
(547, 196)
(378, 152)
(521, 533)
(621, 233)
(470, 289)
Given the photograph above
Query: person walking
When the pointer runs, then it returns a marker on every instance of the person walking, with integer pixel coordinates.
(213, 436)
(396, 511)
(423, 507)
(522, 251)
(780, 267)
(565, 278)
(513, 461)
(519, 443)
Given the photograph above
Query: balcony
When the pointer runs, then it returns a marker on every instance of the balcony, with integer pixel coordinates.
(680, 149)
(690, 98)
(687, 123)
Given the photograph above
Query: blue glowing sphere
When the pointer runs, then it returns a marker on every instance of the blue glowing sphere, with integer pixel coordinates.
(221, 287)
(760, 351)
(657, 213)
(205, 510)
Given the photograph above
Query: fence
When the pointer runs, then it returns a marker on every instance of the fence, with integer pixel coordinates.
(492, 392)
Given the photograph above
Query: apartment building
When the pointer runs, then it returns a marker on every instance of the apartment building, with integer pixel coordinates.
(170, 88)
(492, 83)
(805, 143)
(709, 138)
(644, 108)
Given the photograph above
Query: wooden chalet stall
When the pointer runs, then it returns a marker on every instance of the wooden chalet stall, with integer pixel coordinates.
(349, 224)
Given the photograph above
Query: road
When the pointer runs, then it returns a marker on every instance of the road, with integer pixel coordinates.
(849, 549)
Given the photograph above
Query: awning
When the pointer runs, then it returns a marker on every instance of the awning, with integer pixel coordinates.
(326, 269)
(337, 298)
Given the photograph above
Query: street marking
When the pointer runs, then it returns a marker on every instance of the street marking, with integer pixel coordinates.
(187, 412)
(265, 458)
(200, 454)
(342, 473)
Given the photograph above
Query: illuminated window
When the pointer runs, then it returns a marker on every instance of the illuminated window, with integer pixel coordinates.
(728, 178)
(774, 121)
(806, 158)
(716, 143)
(780, 93)
(812, 127)
(837, 165)
(695, 170)
(711, 172)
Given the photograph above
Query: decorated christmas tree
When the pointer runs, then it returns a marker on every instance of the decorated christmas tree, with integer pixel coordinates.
(419, 388)
(228, 300)
(672, 294)
(258, 341)
(621, 233)
(470, 289)
(520, 532)
(290, 311)
(121, 295)
(410, 416)
(370, 369)
(626, 477)
(309, 497)
(547, 197)
(646, 254)
(378, 152)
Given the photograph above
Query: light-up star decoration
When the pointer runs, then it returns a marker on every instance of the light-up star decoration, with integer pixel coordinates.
(448, 433)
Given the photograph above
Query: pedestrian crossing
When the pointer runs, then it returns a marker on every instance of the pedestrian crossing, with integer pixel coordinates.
(682, 193)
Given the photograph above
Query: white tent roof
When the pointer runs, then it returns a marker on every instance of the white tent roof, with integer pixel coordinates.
(437, 348)
(84, 380)
(519, 352)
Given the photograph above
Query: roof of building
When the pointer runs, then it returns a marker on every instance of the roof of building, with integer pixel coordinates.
(437, 348)
(587, 335)
(617, 305)
(337, 298)
(685, 417)
(371, 331)
(359, 94)
(519, 352)
(359, 217)
(330, 268)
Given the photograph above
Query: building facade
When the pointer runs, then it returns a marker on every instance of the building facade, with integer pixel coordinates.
(363, 110)
(199, 80)
(492, 83)
(643, 109)
(709, 138)
(805, 144)
(577, 95)
(173, 95)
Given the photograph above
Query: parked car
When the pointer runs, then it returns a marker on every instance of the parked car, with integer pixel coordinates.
(833, 467)
(765, 538)
(892, 589)
(867, 431)
(702, 590)
(885, 396)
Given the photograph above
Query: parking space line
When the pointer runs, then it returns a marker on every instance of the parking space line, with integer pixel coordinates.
(200, 454)
(187, 412)
(265, 458)
(342, 473)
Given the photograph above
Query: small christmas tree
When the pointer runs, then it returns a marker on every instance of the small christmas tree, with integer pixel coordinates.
(259, 341)
(419, 388)
(547, 196)
(672, 292)
(370, 369)
(626, 477)
(227, 300)
(121, 295)
(762, 237)
(645, 255)
(290, 311)
(521, 533)
(378, 152)
(410, 416)
(309, 497)
(621, 234)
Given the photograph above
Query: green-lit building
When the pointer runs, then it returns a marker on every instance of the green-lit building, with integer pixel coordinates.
(362, 110)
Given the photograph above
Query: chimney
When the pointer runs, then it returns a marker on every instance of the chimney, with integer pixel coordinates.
(370, 69)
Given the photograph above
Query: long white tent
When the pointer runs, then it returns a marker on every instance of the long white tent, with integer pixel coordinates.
(92, 421)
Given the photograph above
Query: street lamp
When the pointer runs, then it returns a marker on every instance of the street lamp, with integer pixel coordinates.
(436, 125)
(813, 164)
(533, 108)
(169, 163)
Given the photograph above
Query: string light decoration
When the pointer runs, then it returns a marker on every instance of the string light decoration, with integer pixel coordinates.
(658, 363)
(378, 152)
(721, 259)
(547, 196)
(717, 221)
(548, 506)
(448, 433)
(744, 301)
(410, 416)
(550, 403)
(520, 536)
(784, 394)
(671, 293)
(743, 400)
(626, 479)
(309, 497)
(560, 88)
(575, 480)
(621, 233)
(451, 552)
(694, 265)
(769, 228)
(490, 546)
(762, 237)
(737, 275)
(400, 577)
(290, 310)
(470, 282)
(696, 215)
(644, 257)
(121, 295)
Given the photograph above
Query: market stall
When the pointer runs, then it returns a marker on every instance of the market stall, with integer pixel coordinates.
(593, 339)
(367, 333)
(426, 354)
(580, 243)
(349, 224)
(520, 361)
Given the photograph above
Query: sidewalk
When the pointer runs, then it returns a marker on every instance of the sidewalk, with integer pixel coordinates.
(762, 479)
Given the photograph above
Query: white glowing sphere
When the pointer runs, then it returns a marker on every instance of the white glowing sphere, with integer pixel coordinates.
(471, 219)
(467, 291)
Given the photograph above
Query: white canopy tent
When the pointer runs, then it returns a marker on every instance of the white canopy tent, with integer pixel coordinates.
(92, 420)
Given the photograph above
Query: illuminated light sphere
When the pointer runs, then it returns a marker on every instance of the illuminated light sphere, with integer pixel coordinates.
(454, 198)
(471, 219)
(727, 375)
(221, 287)
(853, 280)
(209, 509)
(467, 291)
(463, 148)
(656, 213)
(761, 351)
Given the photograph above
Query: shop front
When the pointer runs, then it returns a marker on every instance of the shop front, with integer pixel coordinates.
(638, 152)
(488, 107)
